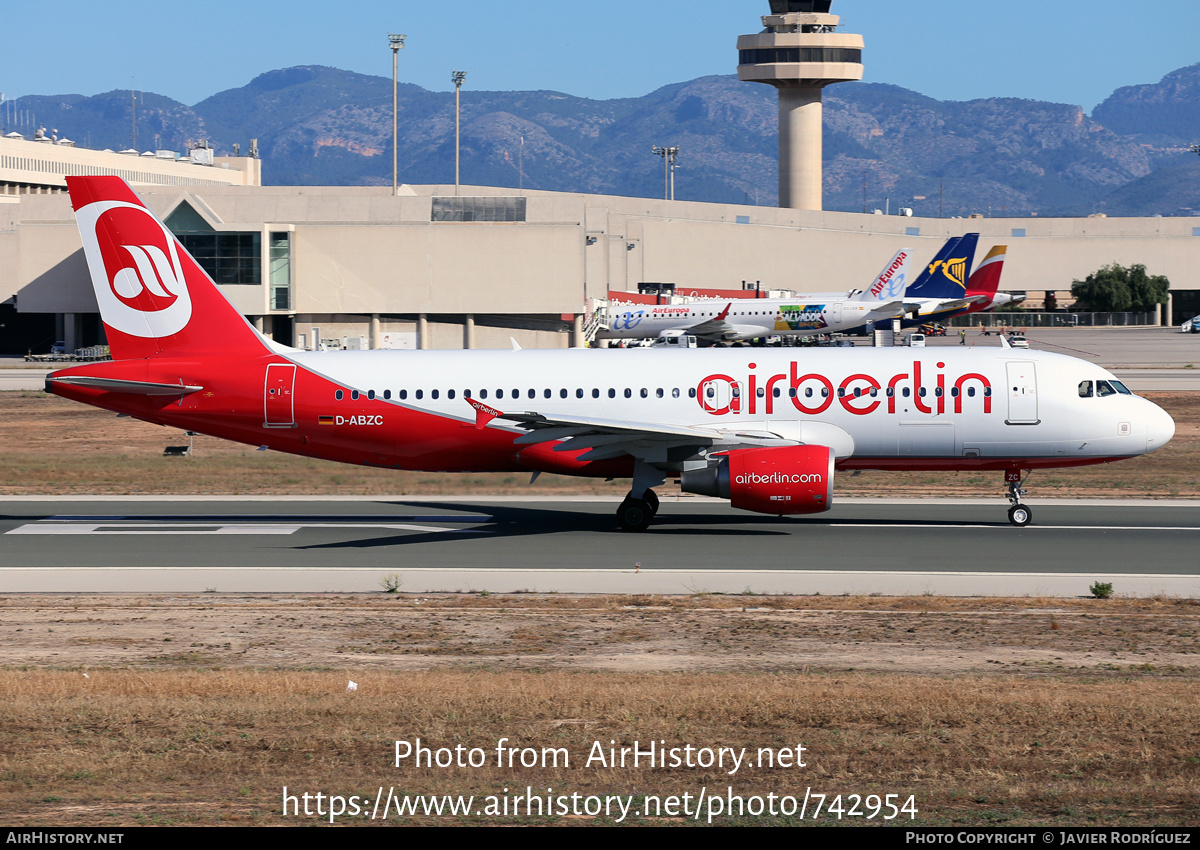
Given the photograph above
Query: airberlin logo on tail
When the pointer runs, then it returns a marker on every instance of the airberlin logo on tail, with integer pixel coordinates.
(145, 287)
(135, 268)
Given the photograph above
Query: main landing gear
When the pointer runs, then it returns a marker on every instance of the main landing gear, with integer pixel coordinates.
(640, 506)
(635, 514)
(1019, 515)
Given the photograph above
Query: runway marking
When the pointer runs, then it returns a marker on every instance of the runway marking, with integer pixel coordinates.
(122, 525)
(371, 519)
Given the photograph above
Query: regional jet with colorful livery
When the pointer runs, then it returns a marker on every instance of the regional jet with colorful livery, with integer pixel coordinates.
(754, 318)
(766, 429)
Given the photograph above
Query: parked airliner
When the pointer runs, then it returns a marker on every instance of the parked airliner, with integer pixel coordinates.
(751, 318)
(766, 429)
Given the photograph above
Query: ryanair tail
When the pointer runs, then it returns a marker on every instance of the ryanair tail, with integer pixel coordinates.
(154, 298)
(946, 277)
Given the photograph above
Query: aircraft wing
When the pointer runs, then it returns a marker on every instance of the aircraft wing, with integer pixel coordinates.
(609, 438)
(890, 310)
(929, 306)
(715, 328)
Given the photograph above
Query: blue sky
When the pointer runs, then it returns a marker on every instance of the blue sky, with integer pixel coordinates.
(1060, 50)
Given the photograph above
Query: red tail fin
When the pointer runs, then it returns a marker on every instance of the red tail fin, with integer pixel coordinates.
(153, 297)
(986, 278)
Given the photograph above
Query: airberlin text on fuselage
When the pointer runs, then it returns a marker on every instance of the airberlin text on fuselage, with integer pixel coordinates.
(853, 393)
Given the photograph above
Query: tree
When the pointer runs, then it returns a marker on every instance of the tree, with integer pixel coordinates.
(1147, 290)
(1116, 289)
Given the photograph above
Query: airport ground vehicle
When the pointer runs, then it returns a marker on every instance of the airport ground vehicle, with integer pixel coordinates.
(674, 339)
(764, 428)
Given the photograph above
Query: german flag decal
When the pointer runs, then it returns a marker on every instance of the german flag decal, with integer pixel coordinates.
(324, 420)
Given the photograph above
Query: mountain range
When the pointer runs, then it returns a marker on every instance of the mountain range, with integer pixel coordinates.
(884, 145)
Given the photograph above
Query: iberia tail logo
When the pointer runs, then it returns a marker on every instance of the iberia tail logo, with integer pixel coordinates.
(136, 270)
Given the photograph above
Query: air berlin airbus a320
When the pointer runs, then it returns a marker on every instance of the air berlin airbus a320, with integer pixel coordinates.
(763, 428)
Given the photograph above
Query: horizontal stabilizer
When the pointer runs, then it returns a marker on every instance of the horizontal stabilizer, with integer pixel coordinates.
(115, 385)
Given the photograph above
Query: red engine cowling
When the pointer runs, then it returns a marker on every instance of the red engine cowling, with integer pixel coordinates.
(787, 480)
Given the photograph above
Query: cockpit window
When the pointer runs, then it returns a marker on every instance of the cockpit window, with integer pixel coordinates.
(1104, 388)
(1085, 389)
(1121, 388)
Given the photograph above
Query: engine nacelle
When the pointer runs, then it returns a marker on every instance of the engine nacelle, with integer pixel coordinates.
(787, 480)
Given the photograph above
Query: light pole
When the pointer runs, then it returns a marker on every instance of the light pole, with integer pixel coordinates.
(396, 42)
(457, 77)
(669, 155)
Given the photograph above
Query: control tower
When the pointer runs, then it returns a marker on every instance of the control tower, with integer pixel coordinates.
(800, 52)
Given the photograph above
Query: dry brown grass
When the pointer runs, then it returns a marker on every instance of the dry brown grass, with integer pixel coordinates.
(51, 446)
(126, 747)
(200, 709)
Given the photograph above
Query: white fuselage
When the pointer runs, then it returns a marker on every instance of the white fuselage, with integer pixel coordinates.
(971, 406)
(747, 318)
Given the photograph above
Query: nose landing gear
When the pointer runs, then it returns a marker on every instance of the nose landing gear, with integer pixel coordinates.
(1019, 515)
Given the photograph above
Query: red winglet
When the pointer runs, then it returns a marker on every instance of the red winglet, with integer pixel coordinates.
(721, 316)
(483, 413)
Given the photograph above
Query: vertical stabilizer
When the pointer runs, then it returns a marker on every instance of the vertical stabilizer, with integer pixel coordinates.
(986, 278)
(153, 297)
(890, 283)
(946, 277)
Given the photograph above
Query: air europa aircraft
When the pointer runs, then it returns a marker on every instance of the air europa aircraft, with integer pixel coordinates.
(766, 430)
(751, 318)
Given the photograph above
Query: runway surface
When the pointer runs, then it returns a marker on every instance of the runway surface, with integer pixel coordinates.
(954, 547)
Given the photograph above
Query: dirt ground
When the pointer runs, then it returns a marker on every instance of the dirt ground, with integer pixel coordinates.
(917, 635)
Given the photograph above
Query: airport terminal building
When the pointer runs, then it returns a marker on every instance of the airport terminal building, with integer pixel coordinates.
(362, 267)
